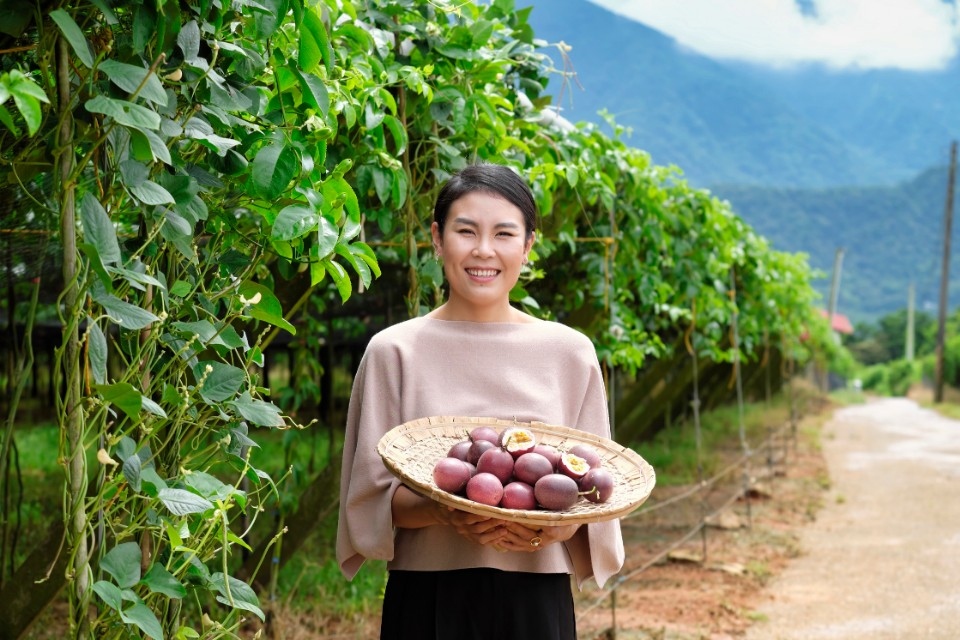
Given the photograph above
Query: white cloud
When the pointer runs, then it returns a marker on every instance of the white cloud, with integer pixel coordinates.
(907, 34)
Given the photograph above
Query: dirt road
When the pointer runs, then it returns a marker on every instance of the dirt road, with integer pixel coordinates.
(882, 561)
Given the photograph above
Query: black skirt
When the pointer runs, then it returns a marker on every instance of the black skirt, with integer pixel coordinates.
(478, 604)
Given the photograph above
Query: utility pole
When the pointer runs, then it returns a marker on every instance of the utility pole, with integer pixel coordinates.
(944, 276)
(832, 309)
(911, 301)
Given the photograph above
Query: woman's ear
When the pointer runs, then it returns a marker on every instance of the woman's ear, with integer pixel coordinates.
(529, 244)
(437, 240)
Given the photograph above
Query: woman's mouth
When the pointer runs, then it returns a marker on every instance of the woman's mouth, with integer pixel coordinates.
(482, 273)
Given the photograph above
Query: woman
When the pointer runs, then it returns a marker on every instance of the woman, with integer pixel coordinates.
(455, 575)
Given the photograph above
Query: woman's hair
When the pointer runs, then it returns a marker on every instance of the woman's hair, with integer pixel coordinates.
(494, 179)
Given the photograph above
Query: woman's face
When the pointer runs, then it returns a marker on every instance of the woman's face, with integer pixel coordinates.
(483, 248)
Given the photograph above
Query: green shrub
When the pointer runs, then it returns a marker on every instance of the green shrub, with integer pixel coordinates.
(900, 375)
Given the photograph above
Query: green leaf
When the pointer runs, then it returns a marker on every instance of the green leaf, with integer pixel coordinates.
(150, 477)
(293, 221)
(74, 36)
(151, 193)
(327, 236)
(181, 288)
(125, 314)
(264, 305)
(97, 343)
(153, 407)
(109, 593)
(314, 43)
(189, 42)
(208, 486)
(274, 166)
(132, 471)
(141, 615)
(365, 253)
(125, 113)
(122, 394)
(129, 78)
(98, 229)
(7, 120)
(123, 564)
(340, 278)
(181, 502)
(30, 110)
(240, 595)
(260, 413)
(314, 90)
(223, 381)
(159, 580)
(398, 132)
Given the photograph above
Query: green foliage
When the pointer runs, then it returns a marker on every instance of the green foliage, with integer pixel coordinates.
(902, 374)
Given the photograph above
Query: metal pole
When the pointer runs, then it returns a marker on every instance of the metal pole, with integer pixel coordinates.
(911, 301)
(944, 277)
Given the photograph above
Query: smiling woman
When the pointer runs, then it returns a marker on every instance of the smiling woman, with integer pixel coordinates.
(474, 355)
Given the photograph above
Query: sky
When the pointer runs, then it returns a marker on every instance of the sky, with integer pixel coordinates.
(843, 34)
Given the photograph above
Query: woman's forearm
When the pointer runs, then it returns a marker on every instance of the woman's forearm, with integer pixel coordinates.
(411, 511)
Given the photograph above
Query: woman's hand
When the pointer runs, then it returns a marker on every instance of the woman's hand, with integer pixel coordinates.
(520, 537)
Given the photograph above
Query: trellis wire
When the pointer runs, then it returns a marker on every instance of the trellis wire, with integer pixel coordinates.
(697, 528)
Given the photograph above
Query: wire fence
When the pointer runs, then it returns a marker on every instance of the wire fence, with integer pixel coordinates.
(711, 497)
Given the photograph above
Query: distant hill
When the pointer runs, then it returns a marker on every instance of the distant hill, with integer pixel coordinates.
(891, 236)
(739, 124)
(812, 159)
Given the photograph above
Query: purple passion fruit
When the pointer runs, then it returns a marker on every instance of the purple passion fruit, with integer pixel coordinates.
(572, 465)
(588, 453)
(485, 433)
(485, 488)
(549, 452)
(596, 485)
(518, 441)
(476, 450)
(498, 462)
(460, 450)
(451, 474)
(518, 495)
(530, 467)
(555, 492)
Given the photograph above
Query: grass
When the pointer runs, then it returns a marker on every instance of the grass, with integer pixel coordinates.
(673, 452)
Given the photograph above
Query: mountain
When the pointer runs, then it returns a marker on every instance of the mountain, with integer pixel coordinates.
(813, 159)
(890, 236)
(734, 123)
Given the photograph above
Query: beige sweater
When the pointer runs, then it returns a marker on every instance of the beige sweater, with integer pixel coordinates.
(541, 371)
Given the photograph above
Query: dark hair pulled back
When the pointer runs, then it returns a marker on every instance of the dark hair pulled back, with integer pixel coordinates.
(495, 179)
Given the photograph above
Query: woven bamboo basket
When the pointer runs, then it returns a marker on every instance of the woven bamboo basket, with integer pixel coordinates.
(411, 450)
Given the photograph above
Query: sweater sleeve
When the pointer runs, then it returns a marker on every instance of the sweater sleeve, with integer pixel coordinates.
(596, 549)
(365, 526)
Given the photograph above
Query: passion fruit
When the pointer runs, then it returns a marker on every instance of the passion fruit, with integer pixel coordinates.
(549, 452)
(460, 450)
(518, 441)
(596, 485)
(530, 467)
(518, 495)
(572, 465)
(451, 474)
(556, 492)
(485, 488)
(484, 433)
(498, 462)
(476, 450)
(588, 453)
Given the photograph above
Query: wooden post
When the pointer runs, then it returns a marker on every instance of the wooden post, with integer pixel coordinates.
(945, 273)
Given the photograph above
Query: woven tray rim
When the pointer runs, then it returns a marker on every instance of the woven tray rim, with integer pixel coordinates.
(636, 478)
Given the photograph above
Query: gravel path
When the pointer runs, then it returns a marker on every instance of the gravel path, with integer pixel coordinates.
(882, 561)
